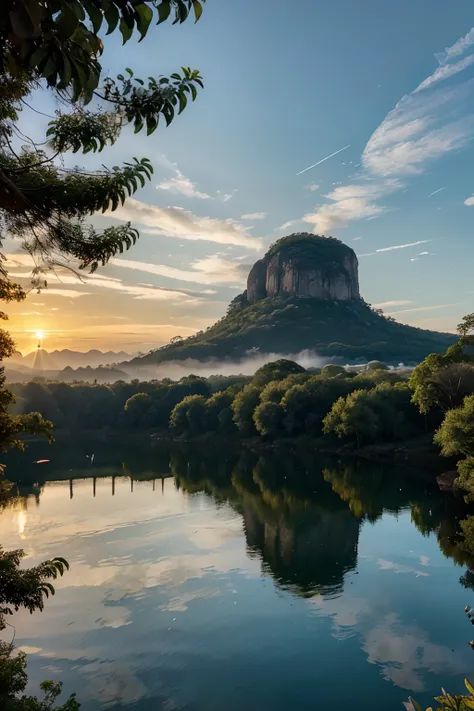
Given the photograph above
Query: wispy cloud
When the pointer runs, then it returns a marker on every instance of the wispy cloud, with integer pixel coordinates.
(225, 197)
(425, 125)
(286, 225)
(457, 48)
(388, 304)
(423, 308)
(313, 187)
(181, 184)
(254, 216)
(469, 201)
(67, 293)
(435, 192)
(351, 202)
(331, 155)
(445, 72)
(397, 246)
(141, 292)
(210, 270)
(184, 224)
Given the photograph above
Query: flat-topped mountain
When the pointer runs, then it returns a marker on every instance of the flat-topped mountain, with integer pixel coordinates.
(307, 266)
(304, 295)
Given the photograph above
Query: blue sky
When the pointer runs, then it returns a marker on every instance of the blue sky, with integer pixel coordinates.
(283, 90)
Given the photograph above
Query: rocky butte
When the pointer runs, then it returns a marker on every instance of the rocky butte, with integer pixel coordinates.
(307, 266)
(304, 295)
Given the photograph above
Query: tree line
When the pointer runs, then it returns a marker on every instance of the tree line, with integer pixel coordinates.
(349, 407)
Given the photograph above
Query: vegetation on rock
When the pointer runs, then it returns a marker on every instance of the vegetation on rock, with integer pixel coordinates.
(349, 330)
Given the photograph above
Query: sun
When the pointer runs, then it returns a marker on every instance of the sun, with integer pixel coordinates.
(39, 335)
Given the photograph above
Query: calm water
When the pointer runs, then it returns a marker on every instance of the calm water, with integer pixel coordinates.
(202, 580)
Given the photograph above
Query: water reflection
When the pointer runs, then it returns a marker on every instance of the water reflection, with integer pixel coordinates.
(198, 578)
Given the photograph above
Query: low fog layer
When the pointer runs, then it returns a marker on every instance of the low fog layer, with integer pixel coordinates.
(176, 369)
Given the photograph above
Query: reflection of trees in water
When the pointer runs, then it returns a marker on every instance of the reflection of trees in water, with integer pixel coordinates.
(305, 536)
(301, 514)
(369, 491)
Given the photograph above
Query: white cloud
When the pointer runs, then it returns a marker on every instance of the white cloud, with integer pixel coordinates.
(313, 187)
(182, 184)
(444, 72)
(286, 225)
(141, 292)
(351, 202)
(469, 201)
(67, 293)
(184, 224)
(254, 216)
(210, 270)
(457, 48)
(225, 197)
(425, 125)
(421, 128)
(342, 212)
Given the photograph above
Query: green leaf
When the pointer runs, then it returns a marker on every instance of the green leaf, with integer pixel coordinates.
(197, 7)
(469, 686)
(36, 12)
(151, 124)
(95, 15)
(164, 9)
(125, 29)
(38, 56)
(78, 9)
(66, 72)
(112, 17)
(21, 23)
(143, 16)
(181, 11)
(49, 68)
(182, 102)
(66, 22)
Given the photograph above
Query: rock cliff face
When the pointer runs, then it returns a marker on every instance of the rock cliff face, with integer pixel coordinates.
(309, 267)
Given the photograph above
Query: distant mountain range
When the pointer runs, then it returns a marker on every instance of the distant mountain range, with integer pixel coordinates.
(57, 360)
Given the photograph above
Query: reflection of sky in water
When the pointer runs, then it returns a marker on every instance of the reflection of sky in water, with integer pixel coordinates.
(166, 607)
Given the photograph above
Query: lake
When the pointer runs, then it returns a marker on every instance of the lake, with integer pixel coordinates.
(210, 579)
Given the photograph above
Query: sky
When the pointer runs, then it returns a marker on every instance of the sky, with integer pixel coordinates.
(347, 119)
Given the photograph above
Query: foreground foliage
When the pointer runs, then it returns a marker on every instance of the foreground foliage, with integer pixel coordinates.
(55, 46)
(448, 702)
(25, 588)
